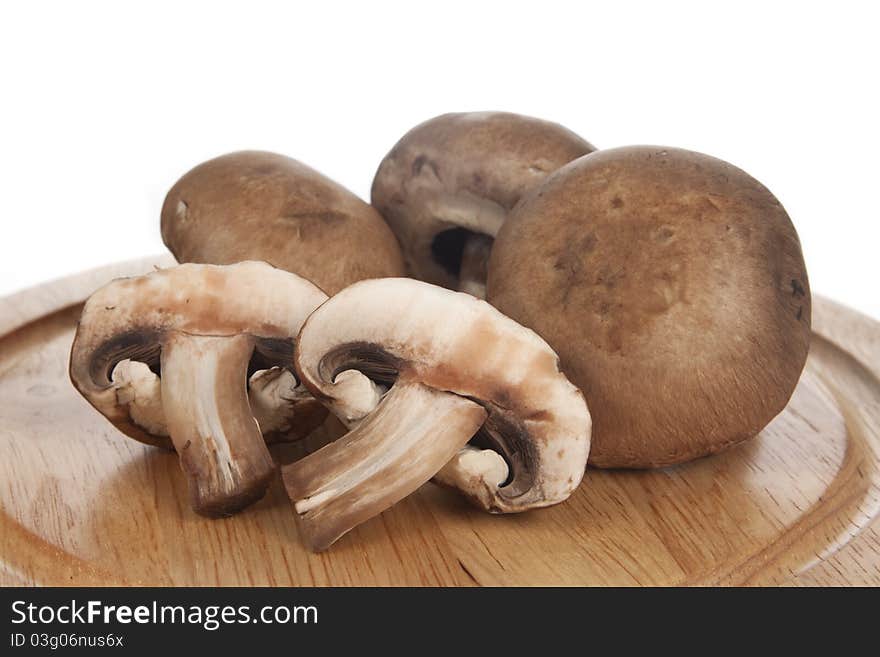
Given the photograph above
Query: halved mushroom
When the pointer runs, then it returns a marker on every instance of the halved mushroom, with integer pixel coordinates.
(254, 205)
(166, 357)
(673, 287)
(419, 372)
(448, 184)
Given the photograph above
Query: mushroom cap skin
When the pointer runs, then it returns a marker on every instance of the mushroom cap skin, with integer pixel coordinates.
(672, 286)
(255, 205)
(447, 348)
(458, 175)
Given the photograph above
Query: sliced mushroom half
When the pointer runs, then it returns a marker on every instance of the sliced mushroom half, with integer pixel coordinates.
(432, 381)
(167, 358)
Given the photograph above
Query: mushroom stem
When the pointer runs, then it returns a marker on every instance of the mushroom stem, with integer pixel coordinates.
(204, 395)
(271, 396)
(476, 473)
(475, 265)
(414, 431)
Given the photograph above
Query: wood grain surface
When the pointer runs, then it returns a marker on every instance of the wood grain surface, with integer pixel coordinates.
(80, 504)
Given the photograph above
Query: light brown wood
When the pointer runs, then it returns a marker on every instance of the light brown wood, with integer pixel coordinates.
(80, 504)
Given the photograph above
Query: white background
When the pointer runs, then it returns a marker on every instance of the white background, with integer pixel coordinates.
(104, 105)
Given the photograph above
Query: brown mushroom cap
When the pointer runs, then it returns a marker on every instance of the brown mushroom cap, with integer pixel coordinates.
(673, 288)
(447, 367)
(254, 205)
(200, 328)
(457, 176)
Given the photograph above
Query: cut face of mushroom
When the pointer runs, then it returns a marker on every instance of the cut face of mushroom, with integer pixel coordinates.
(432, 381)
(446, 188)
(254, 205)
(166, 357)
(673, 288)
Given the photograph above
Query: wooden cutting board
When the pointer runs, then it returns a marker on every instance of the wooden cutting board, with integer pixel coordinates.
(80, 504)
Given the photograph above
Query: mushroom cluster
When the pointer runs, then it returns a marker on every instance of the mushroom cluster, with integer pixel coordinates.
(663, 288)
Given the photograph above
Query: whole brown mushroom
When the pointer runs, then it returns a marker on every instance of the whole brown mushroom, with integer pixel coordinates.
(673, 288)
(254, 205)
(448, 184)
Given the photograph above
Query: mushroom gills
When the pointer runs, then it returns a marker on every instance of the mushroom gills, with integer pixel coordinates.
(475, 265)
(413, 432)
(204, 396)
(465, 255)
